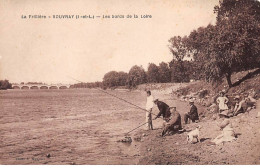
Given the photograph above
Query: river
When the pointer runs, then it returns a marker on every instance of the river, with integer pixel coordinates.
(73, 126)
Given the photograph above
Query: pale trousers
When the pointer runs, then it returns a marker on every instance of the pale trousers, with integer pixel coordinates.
(149, 124)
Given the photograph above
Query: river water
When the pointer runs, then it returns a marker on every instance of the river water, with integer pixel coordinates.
(73, 126)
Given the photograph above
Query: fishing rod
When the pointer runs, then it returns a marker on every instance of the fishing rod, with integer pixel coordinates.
(135, 128)
(116, 97)
(124, 101)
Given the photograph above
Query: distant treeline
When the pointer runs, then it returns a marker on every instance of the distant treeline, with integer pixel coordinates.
(172, 72)
(164, 73)
(4, 84)
(88, 85)
(32, 83)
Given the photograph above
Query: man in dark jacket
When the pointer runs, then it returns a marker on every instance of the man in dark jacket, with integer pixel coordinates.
(164, 110)
(174, 124)
(192, 114)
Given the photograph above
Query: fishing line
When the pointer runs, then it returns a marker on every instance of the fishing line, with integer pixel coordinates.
(117, 97)
(124, 101)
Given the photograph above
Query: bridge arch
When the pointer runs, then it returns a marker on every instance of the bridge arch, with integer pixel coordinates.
(16, 87)
(34, 87)
(44, 87)
(53, 87)
(25, 87)
(63, 87)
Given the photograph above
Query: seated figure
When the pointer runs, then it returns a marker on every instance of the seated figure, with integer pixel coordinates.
(192, 114)
(174, 124)
(227, 135)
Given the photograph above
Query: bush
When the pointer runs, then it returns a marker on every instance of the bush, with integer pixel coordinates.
(4, 84)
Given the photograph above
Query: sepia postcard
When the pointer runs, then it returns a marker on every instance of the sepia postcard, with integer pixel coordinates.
(140, 82)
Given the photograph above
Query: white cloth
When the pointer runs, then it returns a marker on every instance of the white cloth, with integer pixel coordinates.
(222, 103)
(149, 103)
(228, 135)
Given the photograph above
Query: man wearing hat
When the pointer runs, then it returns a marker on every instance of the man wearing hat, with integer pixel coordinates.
(164, 110)
(174, 124)
(192, 114)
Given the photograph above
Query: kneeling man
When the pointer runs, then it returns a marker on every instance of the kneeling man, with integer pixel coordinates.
(174, 124)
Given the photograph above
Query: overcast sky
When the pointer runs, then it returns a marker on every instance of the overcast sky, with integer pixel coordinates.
(49, 50)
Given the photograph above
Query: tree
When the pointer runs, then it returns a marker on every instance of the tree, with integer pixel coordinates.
(122, 78)
(179, 49)
(113, 79)
(153, 75)
(178, 72)
(199, 44)
(110, 79)
(189, 70)
(232, 45)
(164, 72)
(136, 76)
(4, 84)
(236, 46)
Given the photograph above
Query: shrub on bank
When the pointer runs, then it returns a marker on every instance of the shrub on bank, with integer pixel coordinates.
(4, 84)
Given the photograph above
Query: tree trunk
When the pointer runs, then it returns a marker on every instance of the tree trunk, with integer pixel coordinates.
(228, 77)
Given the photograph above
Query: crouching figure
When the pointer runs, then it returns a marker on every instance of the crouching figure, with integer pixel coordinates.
(174, 124)
(227, 135)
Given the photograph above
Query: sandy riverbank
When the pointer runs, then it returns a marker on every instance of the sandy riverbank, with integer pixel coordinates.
(174, 149)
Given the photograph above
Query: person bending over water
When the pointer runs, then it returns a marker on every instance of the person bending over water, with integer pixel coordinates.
(164, 110)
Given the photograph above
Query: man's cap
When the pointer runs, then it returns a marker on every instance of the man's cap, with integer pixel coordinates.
(237, 97)
(191, 101)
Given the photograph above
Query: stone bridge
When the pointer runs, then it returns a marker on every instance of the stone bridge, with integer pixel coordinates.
(40, 86)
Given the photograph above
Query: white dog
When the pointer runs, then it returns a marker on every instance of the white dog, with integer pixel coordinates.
(194, 134)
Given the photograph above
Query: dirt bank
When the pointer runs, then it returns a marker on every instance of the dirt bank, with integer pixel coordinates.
(174, 149)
